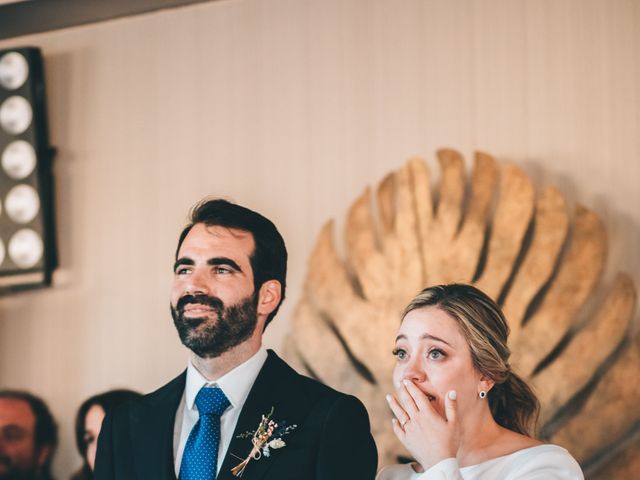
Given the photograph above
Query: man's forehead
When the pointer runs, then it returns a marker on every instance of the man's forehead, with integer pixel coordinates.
(222, 231)
(202, 236)
(17, 412)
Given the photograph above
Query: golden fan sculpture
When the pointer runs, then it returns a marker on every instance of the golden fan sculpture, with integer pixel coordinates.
(524, 249)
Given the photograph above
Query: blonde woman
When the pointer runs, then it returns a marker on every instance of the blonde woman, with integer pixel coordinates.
(459, 408)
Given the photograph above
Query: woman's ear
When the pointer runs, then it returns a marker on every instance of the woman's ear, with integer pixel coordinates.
(269, 297)
(485, 384)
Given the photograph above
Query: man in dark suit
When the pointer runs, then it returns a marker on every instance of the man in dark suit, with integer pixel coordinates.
(237, 410)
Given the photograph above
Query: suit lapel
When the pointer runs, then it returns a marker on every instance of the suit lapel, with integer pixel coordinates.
(272, 388)
(152, 425)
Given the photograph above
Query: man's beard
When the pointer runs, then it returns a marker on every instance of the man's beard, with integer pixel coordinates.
(16, 472)
(219, 332)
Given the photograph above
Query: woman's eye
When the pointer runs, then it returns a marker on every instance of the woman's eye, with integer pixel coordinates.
(399, 353)
(89, 439)
(436, 354)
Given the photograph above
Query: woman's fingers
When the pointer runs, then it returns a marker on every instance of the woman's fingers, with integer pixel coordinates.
(397, 429)
(401, 415)
(451, 406)
(406, 400)
(419, 398)
(430, 435)
(412, 403)
(422, 402)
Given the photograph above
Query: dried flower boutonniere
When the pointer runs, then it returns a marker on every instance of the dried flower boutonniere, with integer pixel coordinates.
(266, 437)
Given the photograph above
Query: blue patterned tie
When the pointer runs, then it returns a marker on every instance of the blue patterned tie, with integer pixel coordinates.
(200, 458)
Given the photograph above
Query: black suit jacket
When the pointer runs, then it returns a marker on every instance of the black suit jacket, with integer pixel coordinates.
(332, 440)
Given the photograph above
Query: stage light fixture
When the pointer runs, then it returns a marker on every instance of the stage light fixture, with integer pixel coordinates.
(27, 238)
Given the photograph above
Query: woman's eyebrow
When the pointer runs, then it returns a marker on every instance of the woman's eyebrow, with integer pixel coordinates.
(424, 336)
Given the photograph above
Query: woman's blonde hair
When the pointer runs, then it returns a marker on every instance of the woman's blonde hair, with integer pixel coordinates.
(481, 321)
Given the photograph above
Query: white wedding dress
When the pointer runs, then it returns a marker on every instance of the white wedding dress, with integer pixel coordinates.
(542, 462)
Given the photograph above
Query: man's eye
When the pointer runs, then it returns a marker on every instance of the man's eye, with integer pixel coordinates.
(436, 354)
(222, 270)
(181, 271)
(399, 353)
(14, 434)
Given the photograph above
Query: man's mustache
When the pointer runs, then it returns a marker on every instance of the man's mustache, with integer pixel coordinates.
(200, 299)
(5, 460)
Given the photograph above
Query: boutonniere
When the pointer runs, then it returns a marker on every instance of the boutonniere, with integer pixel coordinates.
(266, 437)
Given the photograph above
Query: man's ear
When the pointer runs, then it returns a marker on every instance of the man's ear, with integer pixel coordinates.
(43, 455)
(269, 297)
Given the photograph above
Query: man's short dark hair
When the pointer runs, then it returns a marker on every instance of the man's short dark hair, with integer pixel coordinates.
(45, 430)
(268, 260)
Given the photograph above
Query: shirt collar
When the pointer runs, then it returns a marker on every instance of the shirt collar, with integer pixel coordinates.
(235, 384)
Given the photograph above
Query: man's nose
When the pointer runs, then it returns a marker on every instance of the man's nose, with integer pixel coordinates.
(197, 283)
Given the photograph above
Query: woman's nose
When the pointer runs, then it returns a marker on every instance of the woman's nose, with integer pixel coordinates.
(414, 372)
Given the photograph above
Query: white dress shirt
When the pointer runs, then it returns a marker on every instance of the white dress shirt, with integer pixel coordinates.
(550, 462)
(235, 384)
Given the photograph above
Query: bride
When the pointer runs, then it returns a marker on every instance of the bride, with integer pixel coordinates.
(459, 408)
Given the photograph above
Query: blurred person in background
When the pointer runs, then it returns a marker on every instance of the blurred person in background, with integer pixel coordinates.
(28, 437)
(88, 423)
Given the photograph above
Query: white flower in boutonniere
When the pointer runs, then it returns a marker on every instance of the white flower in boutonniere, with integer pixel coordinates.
(275, 444)
(267, 436)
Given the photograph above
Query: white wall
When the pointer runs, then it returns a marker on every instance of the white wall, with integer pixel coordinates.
(292, 107)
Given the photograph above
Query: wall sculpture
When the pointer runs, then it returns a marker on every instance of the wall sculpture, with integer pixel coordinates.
(570, 331)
